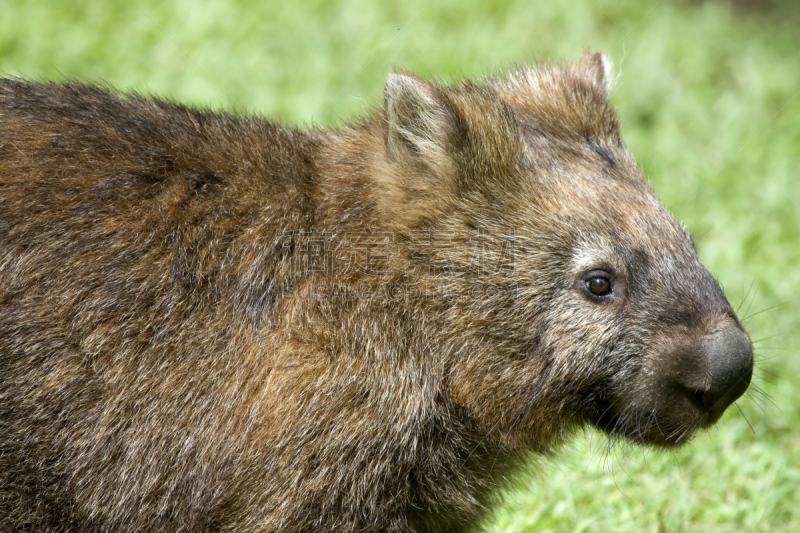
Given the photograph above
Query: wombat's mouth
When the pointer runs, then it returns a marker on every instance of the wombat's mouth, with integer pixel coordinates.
(653, 427)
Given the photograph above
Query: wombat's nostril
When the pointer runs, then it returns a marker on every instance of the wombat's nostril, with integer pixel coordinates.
(730, 367)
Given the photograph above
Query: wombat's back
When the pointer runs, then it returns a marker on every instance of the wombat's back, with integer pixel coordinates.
(126, 303)
(97, 187)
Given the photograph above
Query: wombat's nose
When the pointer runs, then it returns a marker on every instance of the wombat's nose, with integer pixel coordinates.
(730, 366)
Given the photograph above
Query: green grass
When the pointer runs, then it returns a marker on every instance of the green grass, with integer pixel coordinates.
(709, 104)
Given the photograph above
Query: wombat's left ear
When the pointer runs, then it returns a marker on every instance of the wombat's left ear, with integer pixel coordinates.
(419, 123)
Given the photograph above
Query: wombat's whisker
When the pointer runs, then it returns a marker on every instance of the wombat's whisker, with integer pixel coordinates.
(777, 335)
(746, 294)
(761, 358)
(747, 310)
(748, 317)
(653, 420)
(745, 418)
(766, 376)
(756, 393)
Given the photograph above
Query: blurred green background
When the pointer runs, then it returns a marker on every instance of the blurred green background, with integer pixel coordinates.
(709, 102)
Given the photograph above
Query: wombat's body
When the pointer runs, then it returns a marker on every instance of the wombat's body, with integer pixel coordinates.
(216, 323)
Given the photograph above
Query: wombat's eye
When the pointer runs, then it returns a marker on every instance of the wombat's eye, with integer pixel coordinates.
(599, 286)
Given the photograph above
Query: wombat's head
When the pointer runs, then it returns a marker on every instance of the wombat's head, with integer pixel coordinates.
(568, 292)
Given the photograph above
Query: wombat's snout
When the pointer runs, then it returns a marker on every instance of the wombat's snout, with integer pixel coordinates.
(729, 356)
(730, 366)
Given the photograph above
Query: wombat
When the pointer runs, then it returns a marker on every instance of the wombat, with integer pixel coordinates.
(212, 322)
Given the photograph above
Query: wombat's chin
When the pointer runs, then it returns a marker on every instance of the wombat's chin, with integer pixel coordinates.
(671, 425)
(648, 429)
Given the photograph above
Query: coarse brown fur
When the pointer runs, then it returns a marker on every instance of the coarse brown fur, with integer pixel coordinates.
(216, 323)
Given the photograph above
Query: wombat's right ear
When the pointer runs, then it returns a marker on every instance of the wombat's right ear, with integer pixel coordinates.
(419, 123)
(597, 68)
